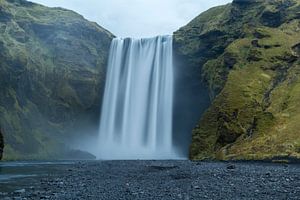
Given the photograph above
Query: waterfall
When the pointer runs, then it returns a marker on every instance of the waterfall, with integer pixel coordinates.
(136, 117)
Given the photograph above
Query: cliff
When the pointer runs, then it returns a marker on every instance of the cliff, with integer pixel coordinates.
(1, 144)
(247, 54)
(52, 68)
(237, 65)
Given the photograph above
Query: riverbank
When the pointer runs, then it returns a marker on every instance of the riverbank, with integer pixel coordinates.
(154, 180)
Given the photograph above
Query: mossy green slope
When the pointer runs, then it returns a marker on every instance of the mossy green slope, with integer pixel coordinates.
(251, 65)
(52, 65)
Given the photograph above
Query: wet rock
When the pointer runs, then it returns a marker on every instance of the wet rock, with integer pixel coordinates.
(231, 166)
(196, 187)
(20, 191)
(112, 180)
(1, 144)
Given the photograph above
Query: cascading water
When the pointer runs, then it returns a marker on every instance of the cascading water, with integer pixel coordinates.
(136, 118)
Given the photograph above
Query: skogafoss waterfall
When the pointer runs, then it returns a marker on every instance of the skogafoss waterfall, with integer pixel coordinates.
(136, 117)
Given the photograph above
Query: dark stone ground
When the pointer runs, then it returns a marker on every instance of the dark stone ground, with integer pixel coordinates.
(161, 180)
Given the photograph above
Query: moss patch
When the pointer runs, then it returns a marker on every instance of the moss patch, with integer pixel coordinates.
(52, 66)
(253, 80)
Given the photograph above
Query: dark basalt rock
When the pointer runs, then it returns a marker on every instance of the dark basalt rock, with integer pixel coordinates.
(296, 49)
(229, 60)
(272, 19)
(1, 144)
(231, 166)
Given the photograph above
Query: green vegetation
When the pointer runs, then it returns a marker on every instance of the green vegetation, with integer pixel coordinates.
(249, 57)
(52, 66)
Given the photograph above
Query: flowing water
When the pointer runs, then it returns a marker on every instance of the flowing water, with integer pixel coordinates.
(17, 175)
(137, 110)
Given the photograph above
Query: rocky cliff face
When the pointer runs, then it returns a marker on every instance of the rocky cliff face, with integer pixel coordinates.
(52, 67)
(247, 54)
(1, 144)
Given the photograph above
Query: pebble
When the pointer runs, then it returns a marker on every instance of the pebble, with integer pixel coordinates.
(113, 180)
(231, 166)
(196, 187)
(20, 191)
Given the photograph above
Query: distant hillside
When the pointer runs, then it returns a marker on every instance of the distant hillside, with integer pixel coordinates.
(52, 67)
(248, 55)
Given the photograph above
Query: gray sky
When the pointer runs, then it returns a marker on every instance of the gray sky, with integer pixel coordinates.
(137, 18)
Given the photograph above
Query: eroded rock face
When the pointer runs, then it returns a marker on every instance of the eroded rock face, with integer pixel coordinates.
(52, 71)
(247, 54)
(1, 144)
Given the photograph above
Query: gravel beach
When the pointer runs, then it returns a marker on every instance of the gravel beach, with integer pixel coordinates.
(158, 180)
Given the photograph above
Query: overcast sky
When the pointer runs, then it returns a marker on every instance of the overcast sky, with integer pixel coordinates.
(137, 18)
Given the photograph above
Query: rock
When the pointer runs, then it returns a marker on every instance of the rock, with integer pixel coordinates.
(245, 2)
(255, 43)
(196, 187)
(296, 49)
(272, 19)
(231, 166)
(19, 191)
(117, 179)
(54, 72)
(248, 72)
(1, 144)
